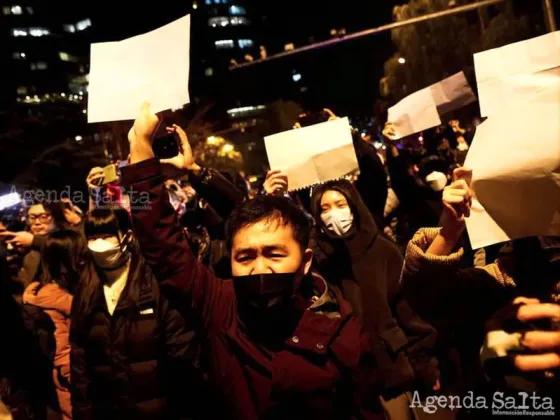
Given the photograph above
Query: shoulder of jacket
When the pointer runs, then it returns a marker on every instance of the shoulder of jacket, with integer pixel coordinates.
(501, 270)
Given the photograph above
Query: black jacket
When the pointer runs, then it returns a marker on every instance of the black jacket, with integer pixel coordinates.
(136, 363)
(372, 181)
(419, 205)
(367, 267)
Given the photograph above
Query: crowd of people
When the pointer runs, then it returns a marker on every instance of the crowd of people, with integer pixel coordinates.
(182, 294)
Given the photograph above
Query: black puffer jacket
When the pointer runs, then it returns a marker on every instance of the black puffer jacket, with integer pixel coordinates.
(136, 363)
(367, 268)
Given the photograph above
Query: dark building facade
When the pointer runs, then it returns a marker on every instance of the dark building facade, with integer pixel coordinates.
(43, 51)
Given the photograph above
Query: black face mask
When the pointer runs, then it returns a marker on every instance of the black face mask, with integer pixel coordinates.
(266, 307)
(260, 290)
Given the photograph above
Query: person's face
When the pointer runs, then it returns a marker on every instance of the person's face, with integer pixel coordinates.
(40, 221)
(268, 247)
(332, 199)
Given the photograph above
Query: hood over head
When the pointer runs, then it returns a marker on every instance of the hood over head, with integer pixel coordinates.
(364, 229)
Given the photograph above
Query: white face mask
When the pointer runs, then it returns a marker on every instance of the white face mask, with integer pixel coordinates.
(437, 181)
(106, 254)
(338, 221)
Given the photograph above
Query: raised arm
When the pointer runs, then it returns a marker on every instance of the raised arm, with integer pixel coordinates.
(162, 240)
(216, 189)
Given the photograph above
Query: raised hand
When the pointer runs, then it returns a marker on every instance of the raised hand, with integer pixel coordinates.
(95, 178)
(457, 202)
(389, 131)
(276, 183)
(185, 158)
(141, 133)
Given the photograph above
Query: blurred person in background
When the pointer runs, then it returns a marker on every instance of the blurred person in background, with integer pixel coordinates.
(419, 199)
(133, 355)
(31, 326)
(64, 254)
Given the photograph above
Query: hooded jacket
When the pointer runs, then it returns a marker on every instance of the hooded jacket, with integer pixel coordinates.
(367, 268)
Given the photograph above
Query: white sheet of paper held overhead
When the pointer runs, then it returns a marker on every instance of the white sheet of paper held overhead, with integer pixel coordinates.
(515, 158)
(422, 109)
(515, 73)
(153, 67)
(314, 154)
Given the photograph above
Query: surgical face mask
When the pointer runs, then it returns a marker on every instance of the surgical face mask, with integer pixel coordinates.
(107, 255)
(262, 291)
(338, 221)
(437, 181)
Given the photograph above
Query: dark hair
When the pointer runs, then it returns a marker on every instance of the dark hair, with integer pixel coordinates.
(265, 207)
(342, 186)
(113, 221)
(65, 258)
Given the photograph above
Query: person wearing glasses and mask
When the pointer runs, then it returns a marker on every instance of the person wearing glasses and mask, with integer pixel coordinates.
(353, 255)
(131, 351)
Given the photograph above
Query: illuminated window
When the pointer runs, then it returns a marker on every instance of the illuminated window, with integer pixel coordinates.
(218, 21)
(245, 43)
(69, 28)
(224, 44)
(19, 56)
(239, 21)
(22, 90)
(6, 10)
(237, 11)
(83, 24)
(17, 10)
(209, 72)
(225, 21)
(29, 10)
(41, 65)
(38, 32)
(64, 56)
(19, 32)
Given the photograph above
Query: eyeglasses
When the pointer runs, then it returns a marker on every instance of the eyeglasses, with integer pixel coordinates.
(42, 217)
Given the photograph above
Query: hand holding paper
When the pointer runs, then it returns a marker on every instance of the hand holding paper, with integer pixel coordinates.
(516, 173)
(141, 133)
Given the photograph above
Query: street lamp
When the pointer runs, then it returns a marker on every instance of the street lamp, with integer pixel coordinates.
(402, 60)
